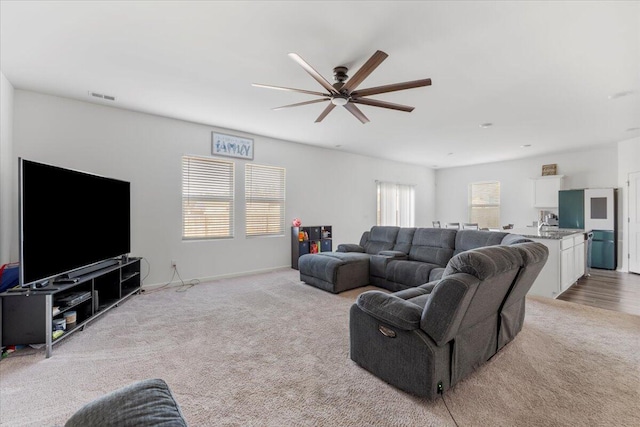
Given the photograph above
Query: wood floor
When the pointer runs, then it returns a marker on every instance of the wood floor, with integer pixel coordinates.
(607, 289)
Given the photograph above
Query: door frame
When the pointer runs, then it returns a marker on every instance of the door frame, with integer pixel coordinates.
(631, 200)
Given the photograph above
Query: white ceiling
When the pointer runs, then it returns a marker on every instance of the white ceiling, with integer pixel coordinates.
(547, 74)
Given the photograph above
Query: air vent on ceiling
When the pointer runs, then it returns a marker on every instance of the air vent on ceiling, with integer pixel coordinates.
(101, 96)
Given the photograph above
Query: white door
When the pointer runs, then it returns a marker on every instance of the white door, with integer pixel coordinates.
(634, 222)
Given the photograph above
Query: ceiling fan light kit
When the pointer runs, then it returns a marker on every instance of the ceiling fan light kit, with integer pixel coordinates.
(339, 100)
(343, 92)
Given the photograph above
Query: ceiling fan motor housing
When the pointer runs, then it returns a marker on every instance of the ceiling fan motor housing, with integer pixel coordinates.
(340, 74)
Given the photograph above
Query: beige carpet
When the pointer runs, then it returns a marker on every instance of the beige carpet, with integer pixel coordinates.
(268, 350)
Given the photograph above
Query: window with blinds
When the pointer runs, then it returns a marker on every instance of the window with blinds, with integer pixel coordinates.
(264, 200)
(484, 204)
(207, 198)
(396, 204)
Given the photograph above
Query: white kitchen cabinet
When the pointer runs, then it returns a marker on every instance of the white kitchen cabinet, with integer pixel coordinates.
(572, 260)
(567, 261)
(545, 191)
(565, 264)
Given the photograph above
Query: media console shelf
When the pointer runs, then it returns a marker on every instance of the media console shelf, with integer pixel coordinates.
(28, 316)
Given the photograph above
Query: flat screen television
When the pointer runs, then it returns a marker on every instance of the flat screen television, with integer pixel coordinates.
(69, 220)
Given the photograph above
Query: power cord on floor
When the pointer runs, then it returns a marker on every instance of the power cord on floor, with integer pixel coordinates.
(183, 286)
(441, 392)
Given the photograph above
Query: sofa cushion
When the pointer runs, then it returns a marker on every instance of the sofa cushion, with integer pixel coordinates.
(324, 265)
(335, 271)
(349, 247)
(447, 306)
(364, 238)
(404, 239)
(412, 292)
(484, 275)
(473, 239)
(409, 273)
(433, 245)
(534, 256)
(381, 238)
(436, 274)
(144, 403)
(484, 262)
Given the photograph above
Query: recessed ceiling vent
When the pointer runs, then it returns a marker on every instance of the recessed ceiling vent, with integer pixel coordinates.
(101, 96)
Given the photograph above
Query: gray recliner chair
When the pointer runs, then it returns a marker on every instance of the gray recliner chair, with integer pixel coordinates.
(424, 340)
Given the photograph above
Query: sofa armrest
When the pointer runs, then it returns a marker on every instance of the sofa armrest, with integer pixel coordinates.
(390, 309)
(148, 402)
(378, 263)
(394, 254)
(349, 247)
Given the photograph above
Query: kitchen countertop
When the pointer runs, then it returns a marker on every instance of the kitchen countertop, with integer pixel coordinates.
(554, 233)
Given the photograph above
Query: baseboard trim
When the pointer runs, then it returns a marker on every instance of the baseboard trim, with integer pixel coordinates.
(211, 278)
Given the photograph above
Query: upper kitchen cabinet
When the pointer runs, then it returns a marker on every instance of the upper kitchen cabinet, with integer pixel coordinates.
(545, 191)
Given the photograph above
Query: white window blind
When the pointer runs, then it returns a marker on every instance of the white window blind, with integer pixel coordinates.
(264, 200)
(396, 204)
(484, 204)
(207, 198)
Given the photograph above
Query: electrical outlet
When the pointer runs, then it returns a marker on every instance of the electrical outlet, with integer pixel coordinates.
(173, 263)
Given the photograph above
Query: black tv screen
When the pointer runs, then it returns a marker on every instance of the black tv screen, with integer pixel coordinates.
(69, 220)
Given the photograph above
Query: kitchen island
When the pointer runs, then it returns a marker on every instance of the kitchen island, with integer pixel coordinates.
(566, 262)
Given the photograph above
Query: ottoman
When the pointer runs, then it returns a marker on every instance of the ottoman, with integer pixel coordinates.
(335, 271)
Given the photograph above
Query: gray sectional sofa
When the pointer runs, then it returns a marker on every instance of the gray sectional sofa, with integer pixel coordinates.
(458, 298)
(425, 339)
(394, 258)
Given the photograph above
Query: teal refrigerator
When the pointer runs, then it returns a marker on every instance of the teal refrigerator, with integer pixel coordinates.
(592, 210)
(571, 209)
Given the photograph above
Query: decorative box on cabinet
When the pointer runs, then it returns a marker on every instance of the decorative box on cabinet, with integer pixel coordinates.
(309, 240)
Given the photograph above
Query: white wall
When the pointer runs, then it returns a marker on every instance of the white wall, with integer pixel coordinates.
(628, 161)
(590, 168)
(324, 187)
(6, 172)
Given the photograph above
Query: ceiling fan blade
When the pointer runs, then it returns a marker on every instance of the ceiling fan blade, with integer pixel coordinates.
(391, 88)
(364, 71)
(301, 103)
(317, 76)
(383, 104)
(310, 92)
(325, 112)
(356, 112)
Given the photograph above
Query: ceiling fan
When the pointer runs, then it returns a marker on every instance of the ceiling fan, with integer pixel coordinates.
(344, 91)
